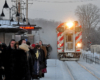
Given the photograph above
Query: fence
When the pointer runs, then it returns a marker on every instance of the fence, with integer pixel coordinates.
(91, 59)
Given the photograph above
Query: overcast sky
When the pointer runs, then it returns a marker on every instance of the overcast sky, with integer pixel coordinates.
(62, 10)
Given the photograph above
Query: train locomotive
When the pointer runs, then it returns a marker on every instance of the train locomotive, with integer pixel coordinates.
(69, 41)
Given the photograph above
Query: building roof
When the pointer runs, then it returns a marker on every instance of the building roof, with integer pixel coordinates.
(8, 24)
(7, 27)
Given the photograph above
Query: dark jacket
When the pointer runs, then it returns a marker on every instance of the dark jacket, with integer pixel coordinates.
(8, 62)
(4, 48)
(1, 62)
(43, 62)
(30, 66)
(19, 65)
(41, 58)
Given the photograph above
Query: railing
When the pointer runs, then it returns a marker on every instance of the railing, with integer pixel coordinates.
(90, 59)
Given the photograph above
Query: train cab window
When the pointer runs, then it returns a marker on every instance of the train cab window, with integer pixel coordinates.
(69, 38)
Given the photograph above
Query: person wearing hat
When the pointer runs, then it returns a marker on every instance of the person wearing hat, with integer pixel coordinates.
(33, 46)
(20, 63)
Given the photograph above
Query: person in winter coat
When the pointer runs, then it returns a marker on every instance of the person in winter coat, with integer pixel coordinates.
(7, 60)
(1, 63)
(30, 63)
(43, 63)
(20, 63)
(45, 51)
(3, 52)
(43, 47)
(29, 59)
(37, 60)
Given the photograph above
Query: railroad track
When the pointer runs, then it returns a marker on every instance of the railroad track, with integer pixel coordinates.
(71, 74)
(88, 71)
(69, 71)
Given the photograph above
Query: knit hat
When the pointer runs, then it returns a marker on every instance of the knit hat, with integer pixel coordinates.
(24, 47)
(33, 45)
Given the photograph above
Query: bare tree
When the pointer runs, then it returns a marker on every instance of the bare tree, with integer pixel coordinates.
(89, 17)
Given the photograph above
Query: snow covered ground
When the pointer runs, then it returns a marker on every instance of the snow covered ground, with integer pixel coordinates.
(54, 71)
(71, 70)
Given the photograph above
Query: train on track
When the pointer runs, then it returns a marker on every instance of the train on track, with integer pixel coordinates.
(69, 41)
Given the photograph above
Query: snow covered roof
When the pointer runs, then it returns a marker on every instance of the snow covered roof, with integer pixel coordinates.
(8, 27)
(8, 24)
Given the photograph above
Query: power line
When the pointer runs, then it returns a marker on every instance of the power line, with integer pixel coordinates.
(71, 1)
(47, 11)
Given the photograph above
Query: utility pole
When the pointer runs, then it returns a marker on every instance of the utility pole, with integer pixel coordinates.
(16, 5)
(27, 11)
(20, 9)
(19, 5)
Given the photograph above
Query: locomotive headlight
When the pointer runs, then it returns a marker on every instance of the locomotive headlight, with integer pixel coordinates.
(59, 45)
(79, 45)
(69, 24)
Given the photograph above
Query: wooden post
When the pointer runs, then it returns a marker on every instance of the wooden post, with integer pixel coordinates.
(27, 11)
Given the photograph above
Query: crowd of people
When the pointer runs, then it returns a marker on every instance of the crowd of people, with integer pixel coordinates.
(22, 60)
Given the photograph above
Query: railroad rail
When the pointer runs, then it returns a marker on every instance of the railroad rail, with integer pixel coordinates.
(71, 74)
(88, 71)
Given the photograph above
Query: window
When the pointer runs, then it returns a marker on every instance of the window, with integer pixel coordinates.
(69, 37)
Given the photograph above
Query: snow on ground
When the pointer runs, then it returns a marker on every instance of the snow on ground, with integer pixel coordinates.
(59, 70)
(66, 75)
(54, 71)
